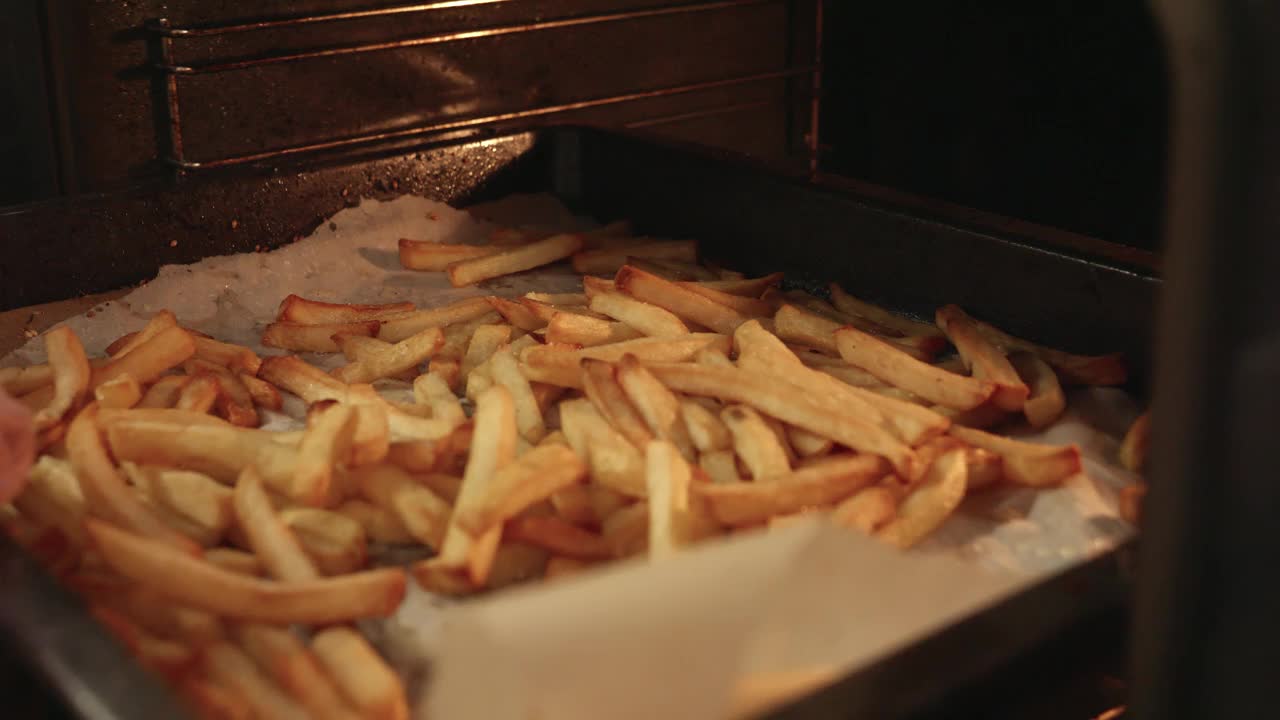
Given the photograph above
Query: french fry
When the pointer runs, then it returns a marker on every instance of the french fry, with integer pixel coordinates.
(573, 329)
(1045, 402)
(71, 374)
(106, 493)
(1074, 369)
(53, 497)
(197, 498)
(448, 370)
(518, 314)
(1026, 463)
(721, 466)
(399, 327)
(442, 484)
(158, 322)
(335, 543)
(198, 395)
(168, 658)
(423, 513)
(202, 585)
(432, 390)
(615, 463)
(901, 370)
(314, 338)
(851, 305)
(401, 357)
(492, 447)
(234, 401)
(680, 301)
(751, 307)
(380, 524)
(558, 299)
(517, 259)
(228, 665)
(929, 504)
(434, 256)
(279, 652)
(807, 444)
(264, 394)
(671, 269)
(361, 674)
(750, 287)
(531, 478)
(1133, 449)
(606, 261)
(626, 530)
(547, 312)
(667, 477)
(22, 380)
(270, 538)
(235, 561)
(826, 481)
(806, 328)
(573, 504)
(659, 407)
(236, 358)
(984, 416)
(300, 310)
(648, 319)
(558, 365)
(506, 372)
(602, 389)
(867, 510)
(167, 349)
(485, 341)
(767, 396)
(556, 535)
(118, 393)
(755, 443)
(326, 442)
(984, 467)
(165, 392)
(706, 430)
(984, 360)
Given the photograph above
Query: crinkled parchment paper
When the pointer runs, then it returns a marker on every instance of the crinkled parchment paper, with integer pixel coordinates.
(715, 631)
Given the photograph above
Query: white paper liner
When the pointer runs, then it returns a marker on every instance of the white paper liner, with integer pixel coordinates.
(718, 629)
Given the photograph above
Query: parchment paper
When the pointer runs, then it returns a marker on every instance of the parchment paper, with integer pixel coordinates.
(720, 630)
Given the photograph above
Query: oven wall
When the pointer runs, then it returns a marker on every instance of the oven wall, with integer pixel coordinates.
(114, 107)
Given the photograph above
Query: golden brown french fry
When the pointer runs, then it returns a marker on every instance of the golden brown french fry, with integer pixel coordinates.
(228, 665)
(751, 307)
(558, 299)
(53, 497)
(984, 360)
(755, 443)
(779, 400)
(434, 256)
(749, 287)
(721, 466)
(264, 394)
(380, 524)
(804, 327)
(983, 416)
(1045, 402)
(197, 498)
(646, 318)
(1133, 449)
(820, 483)
(573, 503)
(169, 659)
(506, 372)
(162, 320)
(270, 538)
(22, 380)
(399, 327)
(680, 301)
(235, 561)
(401, 357)
(326, 442)
(279, 652)
(531, 478)
(573, 329)
(668, 478)
(485, 341)
(361, 674)
(164, 393)
(901, 370)
(707, 432)
(517, 314)
(314, 338)
(558, 365)
(167, 349)
(985, 468)
(432, 390)
(236, 358)
(607, 261)
(204, 586)
(931, 503)
(867, 510)
(659, 407)
(672, 269)
(1026, 463)
(554, 534)
(106, 493)
(71, 375)
(602, 389)
(234, 401)
(118, 393)
(198, 395)
(516, 259)
(448, 370)
(335, 543)
(314, 312)
(615, 463)
(1075, 369)
(626, 530)
(807, 444)
(437, 578)
(423, 513)
(493, 446)
(851, 305)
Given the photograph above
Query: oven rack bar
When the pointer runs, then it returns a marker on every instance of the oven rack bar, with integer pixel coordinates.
(165, 34)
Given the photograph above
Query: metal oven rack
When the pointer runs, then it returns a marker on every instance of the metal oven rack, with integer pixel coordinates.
(167, 41)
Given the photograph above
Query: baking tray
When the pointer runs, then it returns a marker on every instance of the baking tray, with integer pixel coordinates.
(749, 216)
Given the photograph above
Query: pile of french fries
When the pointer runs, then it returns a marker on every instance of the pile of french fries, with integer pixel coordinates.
(667, 403)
